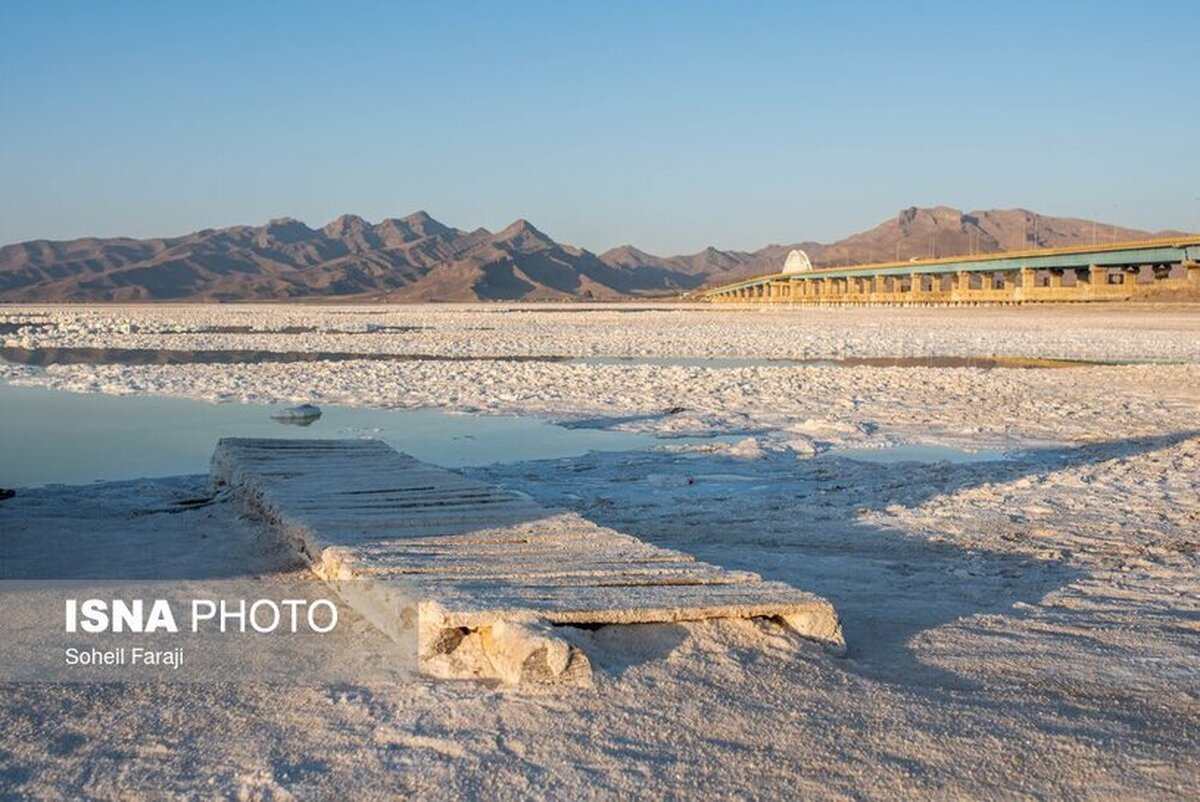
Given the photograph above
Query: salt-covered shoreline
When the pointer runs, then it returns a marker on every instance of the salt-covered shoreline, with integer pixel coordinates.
(836, 405)
(1016, 627)
(1105, 332)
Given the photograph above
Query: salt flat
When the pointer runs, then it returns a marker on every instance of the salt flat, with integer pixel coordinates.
(1016, 627)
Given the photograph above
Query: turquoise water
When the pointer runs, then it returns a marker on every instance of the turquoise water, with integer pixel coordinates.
(49, 436)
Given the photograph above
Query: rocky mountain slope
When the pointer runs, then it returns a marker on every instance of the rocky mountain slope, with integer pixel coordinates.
(417, 258)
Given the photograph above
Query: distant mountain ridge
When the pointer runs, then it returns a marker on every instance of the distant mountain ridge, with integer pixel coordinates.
(417, 258)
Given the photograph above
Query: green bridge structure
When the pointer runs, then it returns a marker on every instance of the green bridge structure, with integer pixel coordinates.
(1164, 268)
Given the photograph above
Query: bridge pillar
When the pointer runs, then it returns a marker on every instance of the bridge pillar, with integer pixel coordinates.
(1097, 276)
(958, 285)
(1054, 278)
(1129, 278)
(1193, 273)
(937, 285)
(1028, 282)
(1011, 286)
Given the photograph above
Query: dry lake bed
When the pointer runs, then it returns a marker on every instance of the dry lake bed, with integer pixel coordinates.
(1003, 505)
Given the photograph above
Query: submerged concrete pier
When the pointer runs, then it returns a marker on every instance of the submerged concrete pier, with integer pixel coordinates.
(477, 576)
(1111, 272)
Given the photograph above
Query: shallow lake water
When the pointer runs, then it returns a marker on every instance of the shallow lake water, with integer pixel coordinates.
(982, 362)
(919, 452)
(49, 436)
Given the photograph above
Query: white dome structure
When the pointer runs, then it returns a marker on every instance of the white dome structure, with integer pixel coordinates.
(797, 262)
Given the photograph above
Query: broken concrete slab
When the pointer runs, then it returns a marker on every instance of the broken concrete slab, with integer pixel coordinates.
(481, 573)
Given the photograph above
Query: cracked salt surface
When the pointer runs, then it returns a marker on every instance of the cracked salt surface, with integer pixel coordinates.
(1132, 332)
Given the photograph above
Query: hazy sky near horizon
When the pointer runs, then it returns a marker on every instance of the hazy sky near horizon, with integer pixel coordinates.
(669, 125)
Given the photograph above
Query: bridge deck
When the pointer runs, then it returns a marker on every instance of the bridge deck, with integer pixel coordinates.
(1165, 250)
(471, 554)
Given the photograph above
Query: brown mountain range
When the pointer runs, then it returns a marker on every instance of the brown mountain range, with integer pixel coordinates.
(416, 258)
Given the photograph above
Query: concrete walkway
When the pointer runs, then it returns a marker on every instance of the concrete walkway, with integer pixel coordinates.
(480, 575)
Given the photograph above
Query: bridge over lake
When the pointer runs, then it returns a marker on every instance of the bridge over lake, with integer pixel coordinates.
(1099, 272)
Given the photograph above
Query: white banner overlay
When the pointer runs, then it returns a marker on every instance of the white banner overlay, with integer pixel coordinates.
(196, 631)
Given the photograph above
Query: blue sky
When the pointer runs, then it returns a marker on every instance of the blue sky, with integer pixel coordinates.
(668, 125)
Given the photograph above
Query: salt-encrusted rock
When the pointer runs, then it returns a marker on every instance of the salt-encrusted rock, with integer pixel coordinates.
(304, 413)
(802, 447)
(746, 449)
